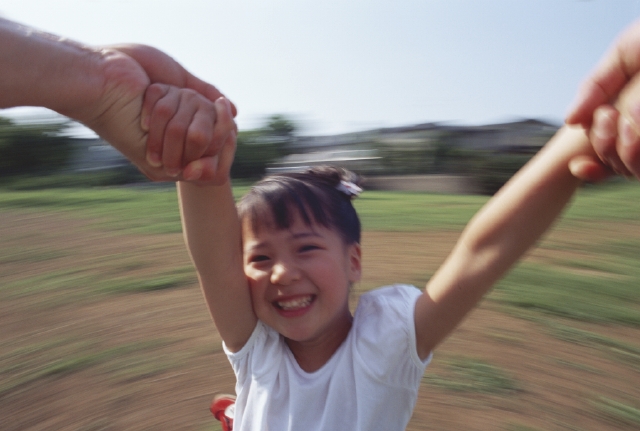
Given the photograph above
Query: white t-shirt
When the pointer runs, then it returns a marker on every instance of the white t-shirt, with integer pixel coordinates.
(370, 383)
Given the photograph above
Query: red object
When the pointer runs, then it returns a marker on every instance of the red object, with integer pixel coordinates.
(222, 408)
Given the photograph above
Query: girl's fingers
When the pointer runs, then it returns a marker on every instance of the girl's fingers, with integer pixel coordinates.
(227, 156)
(603, 136)
(163, 112)
(611, 75)
(215, 169)
(203, 171)
(589, 169)
(224, 125)
(194, 170)
(207, 90)
(185, 130)
(200, 134)
(153, 94)
(628, 147)
(176, 131)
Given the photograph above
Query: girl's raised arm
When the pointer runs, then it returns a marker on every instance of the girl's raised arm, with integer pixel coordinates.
(212, 233)
(497, 237)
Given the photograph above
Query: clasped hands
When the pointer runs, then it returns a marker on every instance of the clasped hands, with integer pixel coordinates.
(167, 122)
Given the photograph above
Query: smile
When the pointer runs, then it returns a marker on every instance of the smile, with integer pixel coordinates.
(295, 303)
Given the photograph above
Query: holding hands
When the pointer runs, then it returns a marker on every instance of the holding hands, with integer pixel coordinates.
(185, 129)
(608, 107)
(104, 88)
(141, 76)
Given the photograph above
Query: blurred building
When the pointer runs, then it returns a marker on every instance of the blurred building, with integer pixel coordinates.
(435, 157)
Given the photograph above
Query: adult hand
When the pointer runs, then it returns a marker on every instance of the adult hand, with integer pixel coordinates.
(615, 138)
(162, 69)
(120, 116)
(100, 87)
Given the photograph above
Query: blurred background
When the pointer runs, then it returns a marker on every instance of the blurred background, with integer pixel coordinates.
(386, 88)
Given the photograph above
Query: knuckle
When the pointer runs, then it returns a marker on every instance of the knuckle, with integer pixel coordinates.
(156, 89)
(188, 94)
(197, 138)
(174, 129)
(164, 110)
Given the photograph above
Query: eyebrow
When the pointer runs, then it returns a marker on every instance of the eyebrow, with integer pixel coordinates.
(299, 235)
(306, 234)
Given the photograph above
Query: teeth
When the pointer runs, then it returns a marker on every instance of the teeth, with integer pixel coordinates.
(295, 303)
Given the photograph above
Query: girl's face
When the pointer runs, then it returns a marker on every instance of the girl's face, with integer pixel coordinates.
(300, 279)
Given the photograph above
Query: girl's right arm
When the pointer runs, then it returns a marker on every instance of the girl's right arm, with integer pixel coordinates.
(212, 233)
(183, 120)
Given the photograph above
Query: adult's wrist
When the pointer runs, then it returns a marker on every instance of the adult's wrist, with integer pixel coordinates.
(42, 69)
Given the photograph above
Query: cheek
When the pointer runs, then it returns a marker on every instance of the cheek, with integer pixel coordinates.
(256, 281)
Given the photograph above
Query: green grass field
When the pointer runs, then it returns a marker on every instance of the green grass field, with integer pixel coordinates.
(611, 295)
(570, 281)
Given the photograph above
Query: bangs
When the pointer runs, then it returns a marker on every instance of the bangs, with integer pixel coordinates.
(276, 205)
(314, 196)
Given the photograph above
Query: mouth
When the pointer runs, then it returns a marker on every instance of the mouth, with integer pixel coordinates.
(293, 304)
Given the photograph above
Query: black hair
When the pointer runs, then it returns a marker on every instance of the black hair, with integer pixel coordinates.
(318, 195)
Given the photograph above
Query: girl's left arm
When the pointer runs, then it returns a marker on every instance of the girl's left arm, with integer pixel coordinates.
(498, 235)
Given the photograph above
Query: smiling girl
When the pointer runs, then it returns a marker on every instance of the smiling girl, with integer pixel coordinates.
(276, 271)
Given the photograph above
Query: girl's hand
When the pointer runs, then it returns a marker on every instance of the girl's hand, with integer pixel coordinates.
(189, 134)
(613, 138)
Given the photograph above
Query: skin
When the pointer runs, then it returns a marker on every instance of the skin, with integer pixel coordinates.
(247, 274)
(103, 88)
(613, 82)
(242, 272)
(308, 269)
(206, 131)
(509, 224)
(613, 136)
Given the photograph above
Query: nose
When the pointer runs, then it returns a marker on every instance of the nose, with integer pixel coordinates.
(283, 273)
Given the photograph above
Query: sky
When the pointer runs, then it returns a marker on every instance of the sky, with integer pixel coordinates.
(337, 66)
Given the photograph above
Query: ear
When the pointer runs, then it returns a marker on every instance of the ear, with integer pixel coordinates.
(355, 262)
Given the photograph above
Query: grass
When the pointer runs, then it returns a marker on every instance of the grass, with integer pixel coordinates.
(71, 285)
(465, 374)
(576, 296)
(404, 211)
(30, 255)
(517, 427)
(152, 210)
(600, 285)
(617, 411)
(559, 289)
(613, 201)
(623, 352)
(28, 364)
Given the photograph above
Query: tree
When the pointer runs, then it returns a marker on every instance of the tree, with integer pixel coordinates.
(256, 149)
(33, 147)
(280, 126)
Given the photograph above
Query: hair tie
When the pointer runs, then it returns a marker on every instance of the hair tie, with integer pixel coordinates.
(349, 189)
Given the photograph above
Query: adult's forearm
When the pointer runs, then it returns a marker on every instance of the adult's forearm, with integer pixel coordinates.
(41, 69)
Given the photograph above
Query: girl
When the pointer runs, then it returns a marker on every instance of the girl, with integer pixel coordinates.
(276, 272)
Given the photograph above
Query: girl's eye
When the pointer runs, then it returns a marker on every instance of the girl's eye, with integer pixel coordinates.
(258, 258)
(309, 247)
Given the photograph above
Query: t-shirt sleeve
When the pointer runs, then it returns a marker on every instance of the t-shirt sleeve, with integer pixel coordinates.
(263, 343)
(386, 336)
